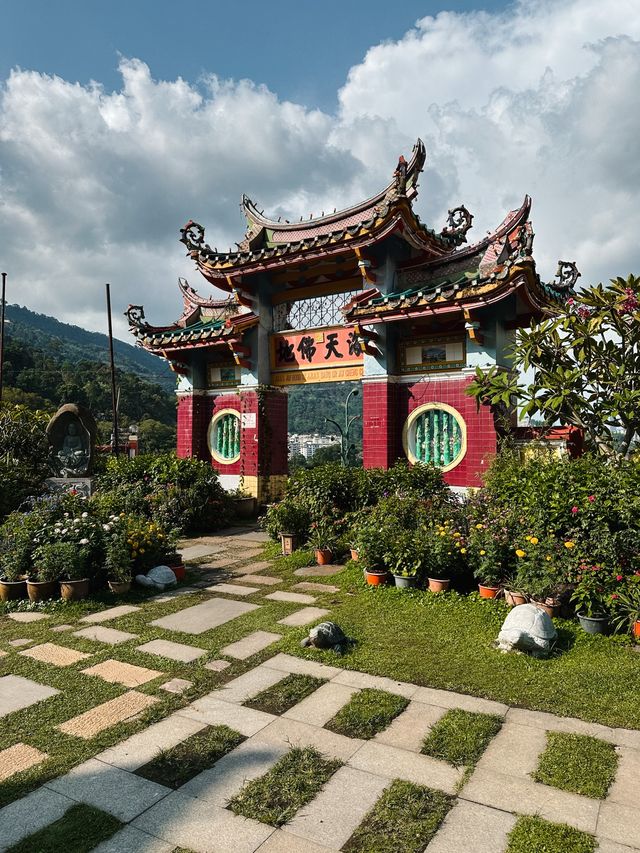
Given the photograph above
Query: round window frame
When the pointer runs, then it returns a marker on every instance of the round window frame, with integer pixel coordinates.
(409, 439)
(221, 460)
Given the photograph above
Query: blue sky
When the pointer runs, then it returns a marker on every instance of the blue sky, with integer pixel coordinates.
(300, 49)
(305, 106)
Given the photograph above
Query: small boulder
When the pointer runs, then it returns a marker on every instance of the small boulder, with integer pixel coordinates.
(528, 629)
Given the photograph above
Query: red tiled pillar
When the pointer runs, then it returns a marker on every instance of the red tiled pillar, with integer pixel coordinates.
(381, 426)
(264, 442)
(193, 421)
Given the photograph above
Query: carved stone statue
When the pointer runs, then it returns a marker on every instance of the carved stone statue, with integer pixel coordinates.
(72, 434)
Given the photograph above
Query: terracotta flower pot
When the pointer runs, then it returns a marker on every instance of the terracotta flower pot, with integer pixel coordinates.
(354, 554)
(289, 543)
(42, 590)
(439, 584)
(375, 578)
(323, 556)
(179, 572)
(488, 591)
(74, 590)
(119, 587)
(12, 590)
(514, 599)
(551, 609)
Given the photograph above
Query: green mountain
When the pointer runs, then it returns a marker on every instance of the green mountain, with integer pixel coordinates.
(72, 343)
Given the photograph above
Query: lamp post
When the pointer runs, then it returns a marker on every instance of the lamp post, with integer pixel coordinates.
(344, 431)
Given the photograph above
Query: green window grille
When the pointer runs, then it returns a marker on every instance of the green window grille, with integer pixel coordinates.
(438, 437)
(227, 436)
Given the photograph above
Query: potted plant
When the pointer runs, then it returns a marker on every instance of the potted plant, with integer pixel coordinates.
(118, 562)
(540, 570)
(442, 556)
(485, 552)
(293, 524)
(14, 564)
(371, 542)
(244, 503)
(323, 539)
(404, 559)
(74, 585)
(627, 609)
(42, 580)
(591, 596)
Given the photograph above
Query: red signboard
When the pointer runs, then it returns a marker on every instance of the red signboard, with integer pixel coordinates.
(313, 349)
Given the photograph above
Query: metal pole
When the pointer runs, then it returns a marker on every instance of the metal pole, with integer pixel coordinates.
(114, 401)
(4, 288)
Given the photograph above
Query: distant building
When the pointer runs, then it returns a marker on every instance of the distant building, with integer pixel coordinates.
(307, 445)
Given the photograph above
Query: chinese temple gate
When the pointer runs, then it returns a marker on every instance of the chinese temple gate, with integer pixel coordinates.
(367, 293)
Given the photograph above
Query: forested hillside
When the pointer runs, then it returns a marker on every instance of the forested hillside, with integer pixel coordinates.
(309, 405)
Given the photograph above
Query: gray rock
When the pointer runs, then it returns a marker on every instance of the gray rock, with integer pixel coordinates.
(529, 629)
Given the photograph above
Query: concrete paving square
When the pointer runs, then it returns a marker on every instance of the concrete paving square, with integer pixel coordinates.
(448, 699)
(56, 655)
(204, 617)
(265, 580)
(27, 617)
(130, 840)
(115, 791)
(301, 666)
(176, 685)
(283, 842)
(232, 589)
(310, 586)
(393, 763)
(619, 823)
(215, 712)
(17, 693)
(195, 552)
(362, 680)
(625, 786)
(222, 563)
(111, 613)
(515, 750)
(105, 635)
(332, 817)
(144, 746)
(294, 597)
(303, 617)
(250, 645)
(318, 571)
(22, 641)
(119, 672)
(217, 665)
(322, 705)
(19, 757)
(248, 685)
(202, 827)
(410, 728)
(59, 628)
(472, 827)
(173, 651)
(103, 716)
(295, 733)
(30, 814)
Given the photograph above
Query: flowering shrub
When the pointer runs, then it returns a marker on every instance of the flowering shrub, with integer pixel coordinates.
(542, 564)
(596, 589)
(148, 542)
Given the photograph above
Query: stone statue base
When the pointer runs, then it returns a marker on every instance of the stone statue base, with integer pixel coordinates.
(82, 486)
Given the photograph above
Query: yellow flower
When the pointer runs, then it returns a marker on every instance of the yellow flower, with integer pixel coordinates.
(142, 550)
(479, 526)
(569, 544)
(528, 538)
(548, 559)
(456, 534)
(520, 552)
(442, 533)
(134, 554)
(534, 540)
(482, 552)
(463, 550)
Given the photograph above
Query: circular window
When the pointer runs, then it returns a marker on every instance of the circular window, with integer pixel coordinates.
(435, 433)
(224, 436)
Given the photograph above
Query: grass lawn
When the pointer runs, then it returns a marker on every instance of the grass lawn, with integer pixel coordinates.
(173, 767)
(404, 820)
(290, 784)
(367, 713)
(534, 835)
(578, 763)
(285, 694)
(461, 737)
(79, 830)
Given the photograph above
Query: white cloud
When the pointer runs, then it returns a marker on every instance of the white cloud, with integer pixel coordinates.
(541, 98)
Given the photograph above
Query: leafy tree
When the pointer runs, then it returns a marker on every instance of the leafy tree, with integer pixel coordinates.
(585, 360)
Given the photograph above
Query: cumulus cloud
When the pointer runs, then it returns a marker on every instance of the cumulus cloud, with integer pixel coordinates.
(540, 98)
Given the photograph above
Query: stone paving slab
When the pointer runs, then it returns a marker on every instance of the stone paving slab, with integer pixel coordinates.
(176, 685)
(173, 651)
(115, 791)
(131, 840)
(624, 789)
(248, 685)
(22, 641)
(448, 699)
(195, 552)
(303, 617)
(111, 613)
(620, 823)
(283, 842)
(294, 597)
(30, 814)
(217, 665)
(215, 712)
(323, 704)
(169, 595)
(301, 666)
(222, 563)
(105, 635)
(524, 796)
(201, 827)
(232, 589)
(331, 818)
(515, 750)
(549, 722)
(17, 693)
(250, 645)
(204, 617)
(218, 784)
(144, 746)
(265, 580)
(19, 757)
(119, 672)
(410, 728)
(606, 846)
(362, 680)
(296, 733)
(103, 716)
(393, 763)
(28, 617)
(309, 586)
(472, 827)
(318, 571)
(3, 653)
(54, 654)
(59, 628)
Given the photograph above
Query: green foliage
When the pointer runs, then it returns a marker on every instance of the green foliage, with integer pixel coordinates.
(23, 455)
(625, 604)
(460, 737)
(285, 694)
(577, 763)
(55, 559)
(535, 835)
(594, 587)
(585, 360)
(118, 560)
(404, 820)
(290, 784)
(367, 712)
(288, 516)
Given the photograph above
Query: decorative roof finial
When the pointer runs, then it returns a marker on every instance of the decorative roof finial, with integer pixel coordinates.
(192, 235)
(135, 316)
(459, 222)
(567, 275)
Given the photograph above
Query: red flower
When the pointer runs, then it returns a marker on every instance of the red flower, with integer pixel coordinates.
(615, 595)
(574, 509)
(591, 498)
(618, 577)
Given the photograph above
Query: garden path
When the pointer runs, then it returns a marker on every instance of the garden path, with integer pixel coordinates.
(127, 678)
